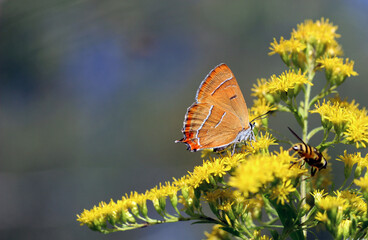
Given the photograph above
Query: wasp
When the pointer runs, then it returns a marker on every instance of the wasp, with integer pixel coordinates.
(309, 154)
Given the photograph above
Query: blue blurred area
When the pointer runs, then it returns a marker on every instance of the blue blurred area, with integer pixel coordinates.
(93, 95)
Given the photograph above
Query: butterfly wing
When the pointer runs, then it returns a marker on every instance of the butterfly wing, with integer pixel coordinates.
(209, 126)
(219, 113)
(220, 88)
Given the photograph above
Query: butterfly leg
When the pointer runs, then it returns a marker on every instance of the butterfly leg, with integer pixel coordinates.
(233, 149)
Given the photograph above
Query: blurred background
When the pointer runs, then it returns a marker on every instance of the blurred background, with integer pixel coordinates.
(93, 94)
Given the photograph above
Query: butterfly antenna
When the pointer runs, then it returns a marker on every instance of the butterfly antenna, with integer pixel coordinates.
(264, 115)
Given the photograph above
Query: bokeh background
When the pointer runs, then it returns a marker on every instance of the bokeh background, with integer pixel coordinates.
(93, 94)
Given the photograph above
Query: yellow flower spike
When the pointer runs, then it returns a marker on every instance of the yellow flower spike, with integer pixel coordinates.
(357, 130)
(257, 236)
(350, 160)
(287, 49)
(234, 160)
(260, 106)
(334, 49)
(363, 184)
(288, 80)
(206, 153)
(262, 143)
(332, 113)
(260, 90)
(334, 207)
(330, 202)
(217, 233)
(254, 206)
(258, 170)
(354, 200)
(336, 69)
(320, 34)
(322, 217)
(344, 229)
(347, 118)
(282, 191)
(318, 195)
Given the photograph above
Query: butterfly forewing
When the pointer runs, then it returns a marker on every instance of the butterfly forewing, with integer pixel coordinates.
(220, 88)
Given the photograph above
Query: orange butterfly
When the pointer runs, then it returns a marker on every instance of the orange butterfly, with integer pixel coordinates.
(219, 116)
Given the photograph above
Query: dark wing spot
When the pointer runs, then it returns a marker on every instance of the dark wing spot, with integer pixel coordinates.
(233, 97)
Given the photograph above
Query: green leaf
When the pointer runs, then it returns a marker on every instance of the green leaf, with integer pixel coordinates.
(275, 234)
(288, 218)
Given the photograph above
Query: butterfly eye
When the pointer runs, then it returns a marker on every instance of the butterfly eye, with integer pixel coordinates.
(295, 148)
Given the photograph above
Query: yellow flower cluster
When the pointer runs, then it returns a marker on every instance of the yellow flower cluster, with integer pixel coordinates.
(286, 46)
(286, 81)
(315, 33)
(257, 236)
(336, 69)
(260, 106)
(282, 191)
(258, 172)
(350, 160)
(288, 84)
(321, 35)
(217, 233)
(126, 210)
(262, 143)
(362, 183)
(345, 118)
(338, 211)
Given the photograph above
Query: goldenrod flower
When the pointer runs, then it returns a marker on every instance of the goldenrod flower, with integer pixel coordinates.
(259, 170)
(332, 114)
(257, 236)
(234, 160)
(318, 194)
(254, 205)
(357, 130)
(262, 143)
(260, 89)
(336, 69)
(282, 191)
(320, 34)
(288, 82)
(334, 49)
(362, 183)
(330, 202)
(350, 160)
(347, 118)
(260, 106)
(345, 229)
(286, 46)
(322, 217)
(217, 233)
(354, 200)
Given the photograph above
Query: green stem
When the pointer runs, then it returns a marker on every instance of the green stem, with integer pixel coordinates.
(311, 73)
(323, 94)
(314, 131)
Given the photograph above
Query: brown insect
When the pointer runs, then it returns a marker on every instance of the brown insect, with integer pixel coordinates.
(309, 154)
